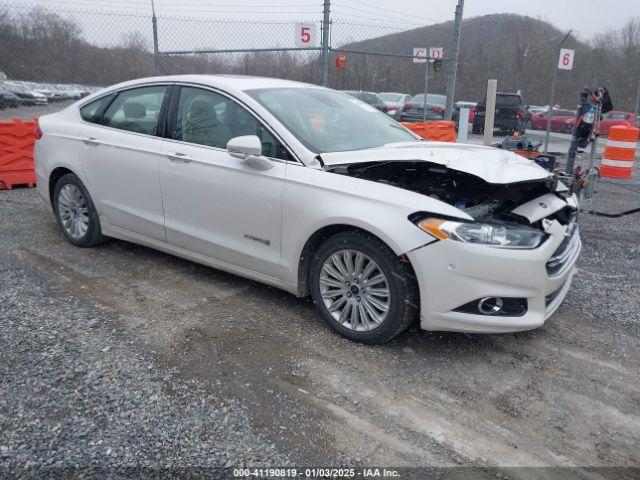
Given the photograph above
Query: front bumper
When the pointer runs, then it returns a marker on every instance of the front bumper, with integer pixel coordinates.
(451, 274)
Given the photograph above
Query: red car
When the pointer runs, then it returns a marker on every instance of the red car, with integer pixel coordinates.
(561, 120)
(615, 117)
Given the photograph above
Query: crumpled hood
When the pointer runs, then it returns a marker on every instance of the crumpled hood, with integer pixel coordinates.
(491, 164)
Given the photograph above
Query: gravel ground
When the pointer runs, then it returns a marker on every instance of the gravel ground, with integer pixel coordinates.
(78, 390)
(124, 356)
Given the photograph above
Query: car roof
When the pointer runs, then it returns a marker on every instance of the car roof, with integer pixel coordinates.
(226, 82)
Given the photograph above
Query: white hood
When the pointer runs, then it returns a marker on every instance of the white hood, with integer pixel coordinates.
(490, 164)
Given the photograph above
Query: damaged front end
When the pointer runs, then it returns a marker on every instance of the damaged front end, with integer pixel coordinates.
(506, 215)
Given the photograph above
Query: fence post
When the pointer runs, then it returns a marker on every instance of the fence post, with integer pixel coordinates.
(154, 23)
(426, 89)
(324, 55)
(463, 125)
(637, 104)
(452, 67)
(553, 92)
(490, 112)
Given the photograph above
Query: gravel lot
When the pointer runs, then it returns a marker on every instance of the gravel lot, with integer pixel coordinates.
(29, 112)
(124, 356)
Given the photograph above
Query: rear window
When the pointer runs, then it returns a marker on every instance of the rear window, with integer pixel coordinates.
(563, 113)
(432, 99)
(90, 112)
(391, 97)
(369, 98)
(617, 116)
(508, 99)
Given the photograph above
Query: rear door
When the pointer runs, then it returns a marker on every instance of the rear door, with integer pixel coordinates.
(121, 151)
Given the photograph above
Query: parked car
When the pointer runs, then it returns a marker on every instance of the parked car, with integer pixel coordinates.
(298, 187)
(370, 98)
(396, 103)
(28, 96)
(562, 120)
(511, 114)
(455, 115)
(616, 117)
(416, 111)
(8, 99)
(46, 90)
(538, 108)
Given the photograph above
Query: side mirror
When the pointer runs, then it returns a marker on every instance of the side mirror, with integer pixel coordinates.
(249, 149)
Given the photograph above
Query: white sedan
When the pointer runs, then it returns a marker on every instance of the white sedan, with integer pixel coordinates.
(315, 192)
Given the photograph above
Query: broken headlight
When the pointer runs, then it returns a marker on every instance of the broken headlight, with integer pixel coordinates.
(499, 235)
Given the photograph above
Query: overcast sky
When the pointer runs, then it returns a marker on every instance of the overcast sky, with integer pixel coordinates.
(585, 17)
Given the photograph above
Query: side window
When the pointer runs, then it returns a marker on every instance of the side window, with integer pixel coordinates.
(136, 110)
(90, 111)
(207, 118)
(200, 118)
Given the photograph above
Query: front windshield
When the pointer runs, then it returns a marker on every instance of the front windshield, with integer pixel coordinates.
(330, 121)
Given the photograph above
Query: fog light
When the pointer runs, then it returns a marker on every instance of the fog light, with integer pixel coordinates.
(497, 306)
(490, 305)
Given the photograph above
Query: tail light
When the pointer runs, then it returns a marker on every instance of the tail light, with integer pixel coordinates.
(407, 106)
(391, 108)
(520, 113)
(437, 109)
(37, 131)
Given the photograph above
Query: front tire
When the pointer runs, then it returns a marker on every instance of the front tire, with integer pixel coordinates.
(76, 215)
(362, 289)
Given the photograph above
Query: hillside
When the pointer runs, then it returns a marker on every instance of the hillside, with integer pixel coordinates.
(519, 51)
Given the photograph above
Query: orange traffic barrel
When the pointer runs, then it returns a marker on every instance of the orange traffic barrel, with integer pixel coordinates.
(619, 152)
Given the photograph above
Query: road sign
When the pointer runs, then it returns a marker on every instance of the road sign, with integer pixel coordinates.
(435, 53)
(565, 62)
(419, 55)
(341, 61)
(306, 35)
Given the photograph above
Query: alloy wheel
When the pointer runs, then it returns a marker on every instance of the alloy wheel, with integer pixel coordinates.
(73, 210)
(355, 290)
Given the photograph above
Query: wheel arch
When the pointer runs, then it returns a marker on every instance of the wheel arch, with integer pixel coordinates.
(55, 175)
(316, 239)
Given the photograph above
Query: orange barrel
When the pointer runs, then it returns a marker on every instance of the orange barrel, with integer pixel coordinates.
(619, 152)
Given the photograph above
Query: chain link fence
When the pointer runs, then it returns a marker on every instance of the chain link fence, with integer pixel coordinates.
(100, 46)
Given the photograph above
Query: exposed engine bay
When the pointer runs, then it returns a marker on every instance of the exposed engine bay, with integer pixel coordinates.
(480, 199)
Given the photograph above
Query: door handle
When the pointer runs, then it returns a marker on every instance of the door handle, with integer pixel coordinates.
(91, 141)
(179, 157)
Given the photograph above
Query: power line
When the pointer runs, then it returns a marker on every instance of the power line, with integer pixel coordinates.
(201, 8)
(404, 21)
(391, 11)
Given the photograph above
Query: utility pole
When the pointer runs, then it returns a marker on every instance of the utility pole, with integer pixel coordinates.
(553, 91)
(426, 90)
(154, 23)
(637, 104)
(453, 65)
(324, 54)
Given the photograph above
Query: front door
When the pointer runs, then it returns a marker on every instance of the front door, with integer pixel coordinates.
(214, 204)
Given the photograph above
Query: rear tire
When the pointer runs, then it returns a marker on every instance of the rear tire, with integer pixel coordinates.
(76, 215)
(373, 299)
